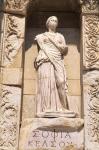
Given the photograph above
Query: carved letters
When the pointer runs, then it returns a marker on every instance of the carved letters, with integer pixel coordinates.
(54, 139)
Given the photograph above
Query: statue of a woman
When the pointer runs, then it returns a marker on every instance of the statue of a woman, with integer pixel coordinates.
(52, 98)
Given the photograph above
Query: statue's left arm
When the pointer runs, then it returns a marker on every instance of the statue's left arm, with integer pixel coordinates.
(62, 45)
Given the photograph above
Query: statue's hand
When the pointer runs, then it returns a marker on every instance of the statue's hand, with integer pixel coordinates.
(63, 48)
(65, 51)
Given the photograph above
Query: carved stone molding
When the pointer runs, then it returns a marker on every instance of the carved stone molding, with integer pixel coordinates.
(91, 41)
(13, 38)
(90, 6)
(90, 50)
(16, 6)
(9, 117)
(91, 106)
(11, 76)
(1, 34)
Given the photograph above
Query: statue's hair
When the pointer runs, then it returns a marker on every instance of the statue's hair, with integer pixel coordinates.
(48, 20)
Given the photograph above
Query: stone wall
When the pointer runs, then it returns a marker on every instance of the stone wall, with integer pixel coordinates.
(12, 87)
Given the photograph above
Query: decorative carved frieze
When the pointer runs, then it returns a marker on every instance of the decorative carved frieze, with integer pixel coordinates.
(13, 38)
(13, 28)
(9, 117)
(90, 6)
(16, 6)
(1, 33)
(91, 106)
(91, 41)
(90, 48)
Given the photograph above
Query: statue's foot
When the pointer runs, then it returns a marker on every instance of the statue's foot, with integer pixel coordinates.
(66, 111)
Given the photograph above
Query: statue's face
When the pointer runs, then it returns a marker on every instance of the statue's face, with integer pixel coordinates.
(53, 23)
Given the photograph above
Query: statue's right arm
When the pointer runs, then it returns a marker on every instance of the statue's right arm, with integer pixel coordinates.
(39, 40)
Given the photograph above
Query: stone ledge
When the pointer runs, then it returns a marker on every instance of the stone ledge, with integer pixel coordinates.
(73, 124)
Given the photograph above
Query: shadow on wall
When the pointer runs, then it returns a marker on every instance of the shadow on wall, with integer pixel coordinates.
(70, 40)
(68, 22)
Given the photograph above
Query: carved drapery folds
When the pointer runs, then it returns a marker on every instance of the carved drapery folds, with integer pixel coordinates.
(13, 38)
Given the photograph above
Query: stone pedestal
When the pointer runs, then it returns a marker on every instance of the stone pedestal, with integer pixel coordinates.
(52, 134)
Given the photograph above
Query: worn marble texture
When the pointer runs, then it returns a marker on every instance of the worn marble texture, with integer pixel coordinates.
(60, 133)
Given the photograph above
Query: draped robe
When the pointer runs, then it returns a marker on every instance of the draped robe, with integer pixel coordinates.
(52, 85)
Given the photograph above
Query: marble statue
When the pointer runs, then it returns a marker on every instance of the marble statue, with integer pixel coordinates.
(52, 97)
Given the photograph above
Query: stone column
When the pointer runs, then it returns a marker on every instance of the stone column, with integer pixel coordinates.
(90, 69)
(11, 67)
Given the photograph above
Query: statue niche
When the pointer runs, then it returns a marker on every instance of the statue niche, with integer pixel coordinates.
(52, 91)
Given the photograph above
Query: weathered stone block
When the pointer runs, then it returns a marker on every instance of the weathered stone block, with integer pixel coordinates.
(12, 76)
(9, 117)
(91, 109)
(30, 73)
(28, 111)
(16, 8)
(52, 134)
(91, 41)
(13, 38)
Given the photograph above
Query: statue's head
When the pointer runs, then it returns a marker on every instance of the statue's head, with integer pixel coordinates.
(52, 22)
